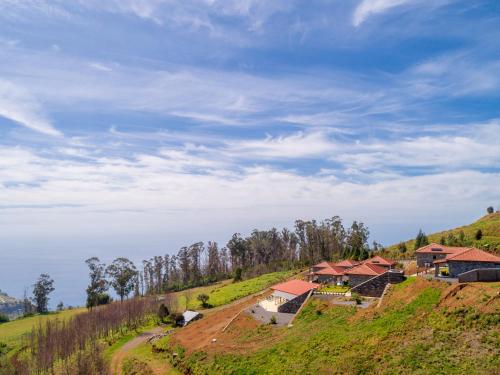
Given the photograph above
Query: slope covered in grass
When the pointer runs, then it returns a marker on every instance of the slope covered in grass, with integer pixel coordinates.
(424, 328)
(227, 291)
(489, 226)
(12, 332)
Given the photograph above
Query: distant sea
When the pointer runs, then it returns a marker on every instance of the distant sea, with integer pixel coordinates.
(70, 274)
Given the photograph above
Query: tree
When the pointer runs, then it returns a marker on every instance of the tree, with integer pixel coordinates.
(98, 284)
(421, 240)
(442, 241)
(41, 290)
(402, 248)
(122, 272)
(3, 318)
(479, 234)
(490, 210)
(163, 312)
(60, 306)
(237, 274)
(203, 298)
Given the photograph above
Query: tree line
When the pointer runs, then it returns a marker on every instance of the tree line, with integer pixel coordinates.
(203, 263)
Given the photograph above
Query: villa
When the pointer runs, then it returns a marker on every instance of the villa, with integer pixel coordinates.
(287, 297)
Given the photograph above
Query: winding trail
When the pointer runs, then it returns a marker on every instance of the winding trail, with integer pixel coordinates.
(120, 354)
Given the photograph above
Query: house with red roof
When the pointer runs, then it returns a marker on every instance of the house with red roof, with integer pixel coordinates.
(363, 272)
(382, 262)
(427, 255)
(466, 260)
(332, 274)
(287, 297)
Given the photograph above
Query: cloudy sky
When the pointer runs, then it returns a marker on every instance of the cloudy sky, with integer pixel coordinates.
(134, 127)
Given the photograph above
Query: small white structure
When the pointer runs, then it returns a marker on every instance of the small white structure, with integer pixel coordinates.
(286, 292)
(189, 316)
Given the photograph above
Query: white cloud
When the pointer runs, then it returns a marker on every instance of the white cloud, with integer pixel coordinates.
(294, 146)
(17, 105)
(368, 8)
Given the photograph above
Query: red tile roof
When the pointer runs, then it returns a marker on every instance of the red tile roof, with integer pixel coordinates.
(296, 287)
(323, 265)
(434, 248)
(367, 269)
(348, 263)
(380, 261)
(471, 255)
(334, 271)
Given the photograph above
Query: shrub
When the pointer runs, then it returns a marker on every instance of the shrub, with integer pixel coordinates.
(163, 312)
(203, 298)
(479, 234)
(3, 318)
(357, 298)
(237, 274)
(273, 320)
(177, 319)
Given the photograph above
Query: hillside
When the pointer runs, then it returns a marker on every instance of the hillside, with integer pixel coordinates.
(489, 226)
(423, 327)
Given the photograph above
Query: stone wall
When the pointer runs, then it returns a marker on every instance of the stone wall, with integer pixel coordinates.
(482, 274)
(457, 267)
(358, 279)
(292, 306)
(428, 258)
(375, 286)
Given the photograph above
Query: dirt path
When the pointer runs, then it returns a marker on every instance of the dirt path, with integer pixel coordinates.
(120, 355)
(200, 333)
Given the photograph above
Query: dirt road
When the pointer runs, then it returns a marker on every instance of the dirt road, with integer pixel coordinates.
(120, 355)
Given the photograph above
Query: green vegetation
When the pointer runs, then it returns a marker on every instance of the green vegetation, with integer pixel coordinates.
(228, 291)
(412, 334)
(12, 332)
(489, 238)
(334, 289)
(142, 360)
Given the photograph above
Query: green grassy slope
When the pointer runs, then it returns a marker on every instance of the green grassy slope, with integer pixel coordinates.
(489, 225)
(12, 332)
(228, 291)
(417, 332)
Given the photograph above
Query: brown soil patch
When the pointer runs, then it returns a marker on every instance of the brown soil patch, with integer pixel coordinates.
(484, 297)
(199, 334)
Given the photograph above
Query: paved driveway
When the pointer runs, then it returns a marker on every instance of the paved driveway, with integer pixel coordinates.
(257, 312)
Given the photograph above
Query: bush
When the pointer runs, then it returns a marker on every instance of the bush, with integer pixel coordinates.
(203, 298)
(273, 320)
(357, 298)
(237, 274)
(163, 312)
(177, 319)
(3, 318)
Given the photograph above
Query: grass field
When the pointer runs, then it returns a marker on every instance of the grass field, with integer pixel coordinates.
(422, 329)
(489, 225)
(12, 332)
(228, 291)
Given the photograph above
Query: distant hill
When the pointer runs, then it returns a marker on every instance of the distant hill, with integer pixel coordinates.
(489, 226)
(10, 306)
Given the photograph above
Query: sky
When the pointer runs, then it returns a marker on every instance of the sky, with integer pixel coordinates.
(134, 127)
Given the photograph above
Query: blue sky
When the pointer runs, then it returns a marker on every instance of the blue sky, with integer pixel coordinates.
(135, 127)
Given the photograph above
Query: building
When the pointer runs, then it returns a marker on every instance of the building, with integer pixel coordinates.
(363, 272)
(347, 263)
(427, 255)
(287, 297)
(189, 316)
(333, 274)
(466, 260)
(382, 262)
